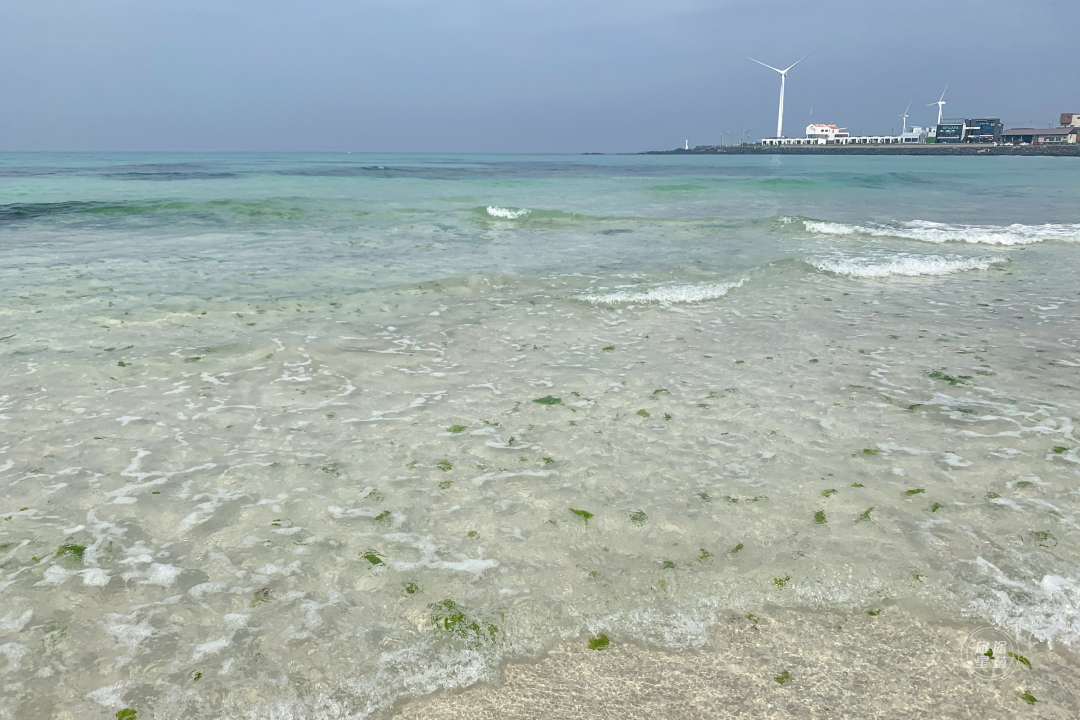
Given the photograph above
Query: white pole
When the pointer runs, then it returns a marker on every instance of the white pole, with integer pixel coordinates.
(780, 117)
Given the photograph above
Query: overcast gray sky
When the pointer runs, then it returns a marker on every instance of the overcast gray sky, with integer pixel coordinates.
(513, 75)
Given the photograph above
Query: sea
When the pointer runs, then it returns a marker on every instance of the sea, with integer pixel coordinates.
(310, 436)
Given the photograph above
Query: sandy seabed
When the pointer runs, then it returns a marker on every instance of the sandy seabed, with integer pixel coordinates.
(892, 665)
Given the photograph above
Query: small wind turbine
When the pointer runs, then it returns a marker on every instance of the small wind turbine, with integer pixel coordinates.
(905, 116)
(783, 79)
(940, 104)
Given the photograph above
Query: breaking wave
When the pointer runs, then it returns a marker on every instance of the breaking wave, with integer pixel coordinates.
(507, 213)
(903, 265)
(665, 294)
(934, 232)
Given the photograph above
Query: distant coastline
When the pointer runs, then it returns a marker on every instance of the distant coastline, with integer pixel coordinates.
(930, 149)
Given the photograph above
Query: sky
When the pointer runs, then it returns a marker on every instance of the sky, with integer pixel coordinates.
(513, 75)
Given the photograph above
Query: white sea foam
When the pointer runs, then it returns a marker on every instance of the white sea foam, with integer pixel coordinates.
(1048, 609)
(507, 213)
(934, 232)
(664, 294)
(902, 265)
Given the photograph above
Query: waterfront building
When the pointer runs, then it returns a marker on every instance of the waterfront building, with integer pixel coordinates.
(1037, 136)
(951, 130)
(914, 135)
(965, 130)
(824, 131)
(983, 130)
(1070, 119)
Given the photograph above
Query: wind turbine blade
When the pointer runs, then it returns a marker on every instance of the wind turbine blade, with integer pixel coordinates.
(943, 92)
(768, 66)
(796, 62)
(908, 108)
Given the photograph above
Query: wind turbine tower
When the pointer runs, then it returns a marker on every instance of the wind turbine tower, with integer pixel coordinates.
(783, 79)
(940, 104)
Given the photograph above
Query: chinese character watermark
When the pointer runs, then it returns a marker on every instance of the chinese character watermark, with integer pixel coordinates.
(990, 654)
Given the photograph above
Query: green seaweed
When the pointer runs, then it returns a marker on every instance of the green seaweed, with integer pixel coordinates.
(819, 517)
(869, 451)
(991, 495)
(737, 548)
(609, 348)
(121, 364)
(1029, 698)
(333, 468)
(938, 375)
(784, 677)
(638, 517)
(582, 514)
(446, 484)
(472, 534)
(657, 391)
(548, 400)
(813, 360)
(599, 642)
(828, 493)
(914, 407)
(372, 557)
(74, 552)
(669, 565)
(866, 515)
(1019, 658)
(444, 465)
(1043, 538)
(781, 582)
(752, 618)
(873, 613)
(196, 676)
(667, 416)
(934, 507)
(411, 588)
(456, 429)
(261, 596)
(1059, 449)
(705, 555)
(857, 484)
(914, 491)
(383, 516)
(125, 714)
(450, 617)
(643, 412)
(1023, 484)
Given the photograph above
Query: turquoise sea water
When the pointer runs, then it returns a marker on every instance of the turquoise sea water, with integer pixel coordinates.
(272, 446)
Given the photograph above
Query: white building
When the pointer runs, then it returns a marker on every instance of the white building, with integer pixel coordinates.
(828, 134)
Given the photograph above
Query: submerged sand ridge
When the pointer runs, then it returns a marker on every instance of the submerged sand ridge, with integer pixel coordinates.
(317, 508)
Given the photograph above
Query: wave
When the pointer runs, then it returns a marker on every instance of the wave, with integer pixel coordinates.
(271, 209)
(903, 265)
(934, 232)
(666, 294)
(507, 213)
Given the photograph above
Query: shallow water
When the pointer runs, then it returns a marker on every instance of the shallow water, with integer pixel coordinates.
(300, 436)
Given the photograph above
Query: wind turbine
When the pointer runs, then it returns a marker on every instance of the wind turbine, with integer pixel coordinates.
(940, 104)
(783, 79)
(905, 116)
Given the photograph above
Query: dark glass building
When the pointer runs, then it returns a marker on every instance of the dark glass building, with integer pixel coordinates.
(983, 130)
(951, 131)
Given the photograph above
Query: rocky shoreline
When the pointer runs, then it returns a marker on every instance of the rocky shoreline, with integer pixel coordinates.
(1069, 150)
